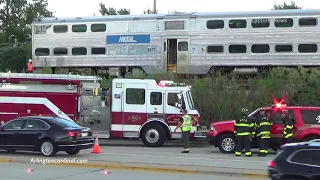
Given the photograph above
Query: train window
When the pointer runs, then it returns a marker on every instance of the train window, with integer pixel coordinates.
(183, 46)
(79, 28)
(40, 29)
(79, 51)
(283, 22)
(260, 48)
(60, 51)
(215, 49)
(308, 21)
(60, 28)
(42, 52)
(260, 23)
(283, 48)
(98, 50)
(237, 49)
(215, 24)
(238, 23)
(98, 27)
(307, 48)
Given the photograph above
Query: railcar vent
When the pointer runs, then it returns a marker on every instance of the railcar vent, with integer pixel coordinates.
(174, 25)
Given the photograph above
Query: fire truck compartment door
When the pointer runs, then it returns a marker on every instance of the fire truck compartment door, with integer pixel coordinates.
(134, 105)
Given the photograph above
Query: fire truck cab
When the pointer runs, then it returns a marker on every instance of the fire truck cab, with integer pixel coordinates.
(131, 108)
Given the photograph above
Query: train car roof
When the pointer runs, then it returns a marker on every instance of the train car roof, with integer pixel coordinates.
(184, 15)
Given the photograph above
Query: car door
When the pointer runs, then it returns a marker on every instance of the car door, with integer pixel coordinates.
(9, 134)
(34, 130)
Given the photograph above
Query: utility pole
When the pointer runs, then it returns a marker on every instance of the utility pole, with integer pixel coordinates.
(154, 6)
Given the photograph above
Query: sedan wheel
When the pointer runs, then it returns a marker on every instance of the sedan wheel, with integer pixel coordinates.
(47, 148)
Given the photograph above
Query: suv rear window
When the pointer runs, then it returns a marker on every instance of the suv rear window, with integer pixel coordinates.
(277, 116)
(310, 116)
(306, 157)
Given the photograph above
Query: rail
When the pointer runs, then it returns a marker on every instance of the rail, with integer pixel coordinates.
(49, 76)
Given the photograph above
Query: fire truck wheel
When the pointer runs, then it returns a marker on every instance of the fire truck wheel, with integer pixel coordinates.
(47, 148)
(73, 152)
(227, 143)
(154, 135)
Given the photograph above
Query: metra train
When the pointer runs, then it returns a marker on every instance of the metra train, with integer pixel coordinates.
(185, 43)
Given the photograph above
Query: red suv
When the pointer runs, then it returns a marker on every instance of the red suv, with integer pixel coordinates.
(306, 127)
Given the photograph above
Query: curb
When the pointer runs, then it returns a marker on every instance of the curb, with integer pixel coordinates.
(148, 168)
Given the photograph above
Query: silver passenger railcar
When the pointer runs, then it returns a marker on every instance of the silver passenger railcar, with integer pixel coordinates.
(191, 43)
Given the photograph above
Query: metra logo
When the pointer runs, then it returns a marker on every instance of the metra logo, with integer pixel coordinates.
(127, 39)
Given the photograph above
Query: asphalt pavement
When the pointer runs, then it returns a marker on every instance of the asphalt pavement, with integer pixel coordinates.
(42, 172)
(201, 159)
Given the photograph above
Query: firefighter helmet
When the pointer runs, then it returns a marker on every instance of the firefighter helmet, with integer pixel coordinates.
(285, 111)
(318, 118)
(244, 110)
(30, 60)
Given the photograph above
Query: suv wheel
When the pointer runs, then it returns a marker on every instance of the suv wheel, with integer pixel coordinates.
(227, 143)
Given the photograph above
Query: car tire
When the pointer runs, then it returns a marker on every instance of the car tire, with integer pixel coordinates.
(73, 152)
(227, 143)
(48, 148)
(154, 135)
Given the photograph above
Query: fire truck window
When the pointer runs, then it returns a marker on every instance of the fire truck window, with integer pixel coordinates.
(173, 99)
(135, 96)
(36, 124)
(307, 157)
(310, 116)
(156, 98)
(14, 125)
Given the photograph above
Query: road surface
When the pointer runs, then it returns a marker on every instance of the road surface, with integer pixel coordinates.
(41, 172)
(199, 156)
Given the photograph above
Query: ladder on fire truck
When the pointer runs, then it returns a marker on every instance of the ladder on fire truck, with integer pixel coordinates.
(69, 76)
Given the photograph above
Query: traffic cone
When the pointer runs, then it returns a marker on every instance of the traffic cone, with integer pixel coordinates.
(96, 147)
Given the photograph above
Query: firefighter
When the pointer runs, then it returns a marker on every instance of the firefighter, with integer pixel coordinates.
(186, 125)
(287, 127)
(244, 130)
(263, 126)
(30, 66)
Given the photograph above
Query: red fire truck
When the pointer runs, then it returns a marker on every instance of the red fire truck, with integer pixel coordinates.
(131, 108)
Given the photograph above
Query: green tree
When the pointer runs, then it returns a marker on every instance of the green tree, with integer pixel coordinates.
(107, 11)
(150, 11)
(286, 6)
(17, 15)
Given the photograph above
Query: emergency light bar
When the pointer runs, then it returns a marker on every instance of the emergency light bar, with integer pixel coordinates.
(170, 84)
(279, 105)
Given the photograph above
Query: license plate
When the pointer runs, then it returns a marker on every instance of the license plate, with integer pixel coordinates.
(84, 134)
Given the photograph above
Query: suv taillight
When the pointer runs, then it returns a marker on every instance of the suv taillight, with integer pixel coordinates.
(272, 164)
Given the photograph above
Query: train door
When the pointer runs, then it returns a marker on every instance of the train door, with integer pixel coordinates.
(176, 55)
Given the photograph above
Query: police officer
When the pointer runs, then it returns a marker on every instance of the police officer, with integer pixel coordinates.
(186, 126)
(287, 127)
(263, 126)
(244, 130)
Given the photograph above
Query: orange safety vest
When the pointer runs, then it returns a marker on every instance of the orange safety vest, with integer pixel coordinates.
(30, 67)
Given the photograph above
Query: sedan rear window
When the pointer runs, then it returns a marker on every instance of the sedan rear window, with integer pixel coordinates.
(66, 123)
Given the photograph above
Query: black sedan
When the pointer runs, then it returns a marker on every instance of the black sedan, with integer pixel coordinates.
(296, 161)
(45, 134)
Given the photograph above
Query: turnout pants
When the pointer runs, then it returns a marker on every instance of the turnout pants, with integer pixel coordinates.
(264, 145)
(185, 140)
(243, 142)
(288, 140)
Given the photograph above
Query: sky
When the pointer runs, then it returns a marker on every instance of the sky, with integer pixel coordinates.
(80, 8)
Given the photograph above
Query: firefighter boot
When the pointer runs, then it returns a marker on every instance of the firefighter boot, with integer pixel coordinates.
(185, 151)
